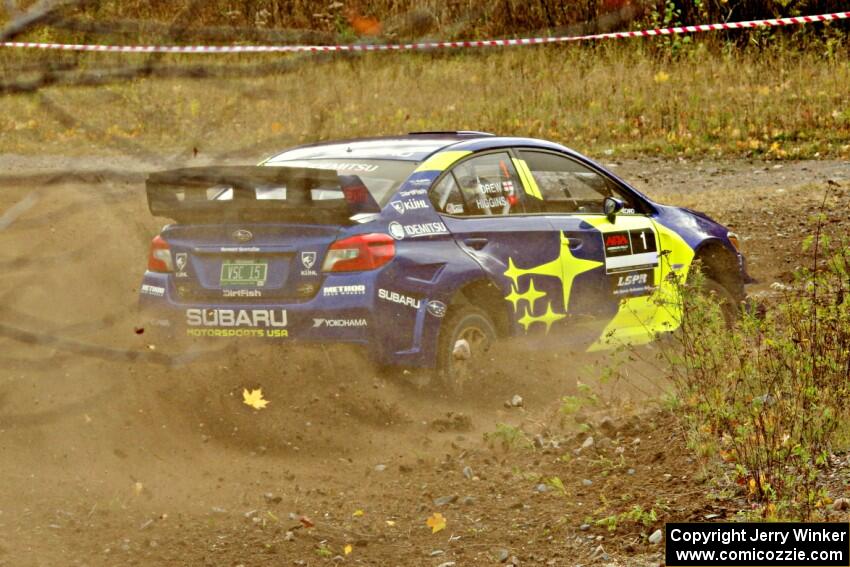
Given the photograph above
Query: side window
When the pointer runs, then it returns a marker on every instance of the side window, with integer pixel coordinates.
(446, 197)
(481, 186)
(567, 186)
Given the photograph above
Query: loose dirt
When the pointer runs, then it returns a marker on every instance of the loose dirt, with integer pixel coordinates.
(113, 453)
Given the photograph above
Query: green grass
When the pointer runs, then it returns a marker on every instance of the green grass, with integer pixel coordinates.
(770, 394)
(612, 100)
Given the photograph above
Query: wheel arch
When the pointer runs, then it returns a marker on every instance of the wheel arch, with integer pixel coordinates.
(487, 296)
(720, 264)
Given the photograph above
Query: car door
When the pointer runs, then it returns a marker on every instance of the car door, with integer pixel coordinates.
(618, 295)
(484, 204)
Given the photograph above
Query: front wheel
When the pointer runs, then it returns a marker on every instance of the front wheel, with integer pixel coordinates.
(705, 285)
(466, 336)
(719, 293)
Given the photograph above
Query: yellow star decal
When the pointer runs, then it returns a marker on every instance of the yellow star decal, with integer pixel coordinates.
(565, 267)
(572, 267)
(513, 272)
(526, 320)
(531, 296)
(547, 318)
(514, 297)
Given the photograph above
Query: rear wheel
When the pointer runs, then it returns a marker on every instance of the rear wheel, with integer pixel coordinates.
(466, 336)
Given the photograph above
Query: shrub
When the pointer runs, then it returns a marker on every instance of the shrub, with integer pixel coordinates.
(772, 392)
(508, 437)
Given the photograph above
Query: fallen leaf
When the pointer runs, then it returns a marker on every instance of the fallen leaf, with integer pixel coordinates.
(307, 522)
(347, 549)
(661, 77)
(436, 522)
(728, 456)
(254, 398)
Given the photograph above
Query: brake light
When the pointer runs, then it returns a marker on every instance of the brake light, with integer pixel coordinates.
(733, 238)
(359, 253)
(159, 257)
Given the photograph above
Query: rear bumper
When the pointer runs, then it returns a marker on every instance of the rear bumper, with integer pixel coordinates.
(345, 318)
(345, 310)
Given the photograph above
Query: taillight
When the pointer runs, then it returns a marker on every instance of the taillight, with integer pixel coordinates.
(733, 238)
(358, 253)
(159, 257)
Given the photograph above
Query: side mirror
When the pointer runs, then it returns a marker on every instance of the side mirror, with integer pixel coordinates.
(611, 206)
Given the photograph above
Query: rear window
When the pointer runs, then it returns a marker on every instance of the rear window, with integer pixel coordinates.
(382, 177)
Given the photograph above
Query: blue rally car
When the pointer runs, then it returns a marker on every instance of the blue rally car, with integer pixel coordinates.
(424, 249)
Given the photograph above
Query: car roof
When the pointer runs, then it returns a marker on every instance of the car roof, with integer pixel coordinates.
(419, 146)
(415, 146)
(409, 147)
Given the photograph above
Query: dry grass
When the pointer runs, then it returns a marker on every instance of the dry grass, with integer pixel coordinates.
(613, 99)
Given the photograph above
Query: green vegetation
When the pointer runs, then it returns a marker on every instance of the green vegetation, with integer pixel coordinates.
(636, 515)
(556, 483)
(508, 437)
(771, 396)
(610, 100)
(322, 550)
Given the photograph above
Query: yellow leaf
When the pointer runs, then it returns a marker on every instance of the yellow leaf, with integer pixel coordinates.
(357, 513)
(347, 549)
(728, 456)
(436, 522)
(254, 398)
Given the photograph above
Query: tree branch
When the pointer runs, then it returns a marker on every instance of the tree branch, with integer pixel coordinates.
(44, 11)
(110, 75)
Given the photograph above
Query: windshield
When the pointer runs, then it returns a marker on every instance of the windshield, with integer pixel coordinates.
(382, 177)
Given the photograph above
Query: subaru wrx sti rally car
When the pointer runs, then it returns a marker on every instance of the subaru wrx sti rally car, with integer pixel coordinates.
(423, 248)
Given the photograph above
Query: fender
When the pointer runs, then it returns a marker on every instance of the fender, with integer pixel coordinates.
(418, 290)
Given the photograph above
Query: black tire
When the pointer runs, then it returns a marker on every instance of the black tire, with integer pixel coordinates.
(475, 327)
(717, 292)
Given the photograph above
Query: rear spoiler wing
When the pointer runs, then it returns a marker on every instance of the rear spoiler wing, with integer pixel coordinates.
(262, 193)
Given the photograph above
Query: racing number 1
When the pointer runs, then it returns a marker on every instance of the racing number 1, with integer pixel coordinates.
(647, 241)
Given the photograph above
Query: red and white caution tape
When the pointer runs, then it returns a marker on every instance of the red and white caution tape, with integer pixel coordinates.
(188, 49)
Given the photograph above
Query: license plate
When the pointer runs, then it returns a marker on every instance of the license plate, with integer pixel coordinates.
(244, 272)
